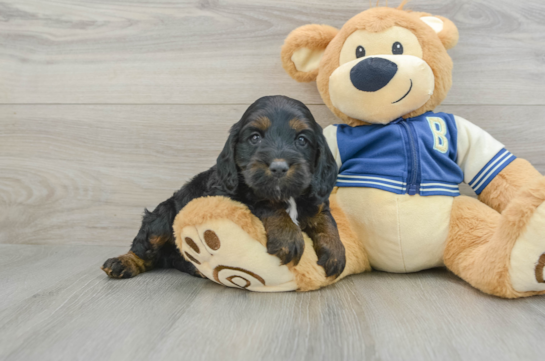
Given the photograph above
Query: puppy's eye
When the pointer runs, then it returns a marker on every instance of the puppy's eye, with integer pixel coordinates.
(255, 138)
(302, 141)
(397, 48)
(360, 52)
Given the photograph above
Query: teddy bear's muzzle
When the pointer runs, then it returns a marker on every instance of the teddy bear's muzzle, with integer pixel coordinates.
(379, 89)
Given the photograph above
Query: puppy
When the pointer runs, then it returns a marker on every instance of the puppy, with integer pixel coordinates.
(277, 162)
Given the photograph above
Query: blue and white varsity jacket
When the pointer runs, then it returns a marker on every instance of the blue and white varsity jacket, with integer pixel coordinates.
(428, 155)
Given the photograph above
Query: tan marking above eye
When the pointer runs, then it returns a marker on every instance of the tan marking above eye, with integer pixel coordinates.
(380, 43)
(298, 125)
(261, 123)
(212, 240)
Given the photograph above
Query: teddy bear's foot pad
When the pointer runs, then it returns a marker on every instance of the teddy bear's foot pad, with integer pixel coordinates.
(226, 254)
(528, 255)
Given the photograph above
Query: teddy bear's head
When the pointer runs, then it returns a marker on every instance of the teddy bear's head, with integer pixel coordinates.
(383, 64)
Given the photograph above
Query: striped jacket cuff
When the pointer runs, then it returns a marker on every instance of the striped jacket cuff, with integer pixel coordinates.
(491, 170)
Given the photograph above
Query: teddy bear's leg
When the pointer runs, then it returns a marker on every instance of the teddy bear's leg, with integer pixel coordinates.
(227, 244)
(500, 254)
(508, 183)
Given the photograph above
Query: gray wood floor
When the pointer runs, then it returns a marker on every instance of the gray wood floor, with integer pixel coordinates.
(56, 305)
(107, 107)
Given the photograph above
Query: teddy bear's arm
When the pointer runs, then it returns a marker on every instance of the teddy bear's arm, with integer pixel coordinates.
(493, 172)
(503, 188)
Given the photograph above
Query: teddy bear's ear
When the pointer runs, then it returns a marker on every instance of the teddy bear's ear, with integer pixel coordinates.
(445, 29)
(303, 50)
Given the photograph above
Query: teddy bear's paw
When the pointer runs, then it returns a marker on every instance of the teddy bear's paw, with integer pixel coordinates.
(528, 255)
(226, 254)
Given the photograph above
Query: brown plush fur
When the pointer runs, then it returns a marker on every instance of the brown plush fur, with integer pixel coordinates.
(508, 183)
(374, 20)
(481, 240)
(314, 37)
(202, 210)
(377, 20)
(472, 228)
(449, 36)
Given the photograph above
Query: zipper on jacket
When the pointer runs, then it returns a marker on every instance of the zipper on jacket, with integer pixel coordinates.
(413, 180)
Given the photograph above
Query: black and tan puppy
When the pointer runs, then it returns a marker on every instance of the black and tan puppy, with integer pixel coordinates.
(277, 162)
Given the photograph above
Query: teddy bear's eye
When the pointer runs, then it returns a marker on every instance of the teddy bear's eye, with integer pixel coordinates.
(360, 52)
(397, 48)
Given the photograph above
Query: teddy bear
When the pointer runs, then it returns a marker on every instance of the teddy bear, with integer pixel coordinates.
(397, 202)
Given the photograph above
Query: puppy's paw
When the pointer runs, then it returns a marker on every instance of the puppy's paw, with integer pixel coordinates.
(286, 246)
(332, 259)
(125, 266)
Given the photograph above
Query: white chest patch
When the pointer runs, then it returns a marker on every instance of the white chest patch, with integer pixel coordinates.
(292, 210)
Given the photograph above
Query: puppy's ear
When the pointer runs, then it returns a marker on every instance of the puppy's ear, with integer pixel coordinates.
(303, 50)
(325, 172)
(226, 165)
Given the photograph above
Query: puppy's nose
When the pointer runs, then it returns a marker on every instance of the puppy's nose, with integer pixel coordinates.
(279, 167)
(372, 74)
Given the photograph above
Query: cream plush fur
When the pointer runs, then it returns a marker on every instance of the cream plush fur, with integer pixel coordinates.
(495, 243)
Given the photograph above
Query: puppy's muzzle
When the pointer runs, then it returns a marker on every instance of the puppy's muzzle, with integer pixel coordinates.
(279, 168)
(372, 74)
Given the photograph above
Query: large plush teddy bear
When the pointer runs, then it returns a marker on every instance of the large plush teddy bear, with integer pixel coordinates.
(397, 205)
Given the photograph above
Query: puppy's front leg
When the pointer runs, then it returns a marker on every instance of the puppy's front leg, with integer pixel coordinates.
(284, 238)
(322, 229)
(152, 247)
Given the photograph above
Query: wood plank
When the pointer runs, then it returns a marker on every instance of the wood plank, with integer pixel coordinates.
(25, 270)
(227, 52)
(165, 315)
(83, 174)
(99, 315)
(443, 318)
(64, 167)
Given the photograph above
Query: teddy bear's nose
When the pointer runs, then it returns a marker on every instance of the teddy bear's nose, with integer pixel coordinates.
(372, 74)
